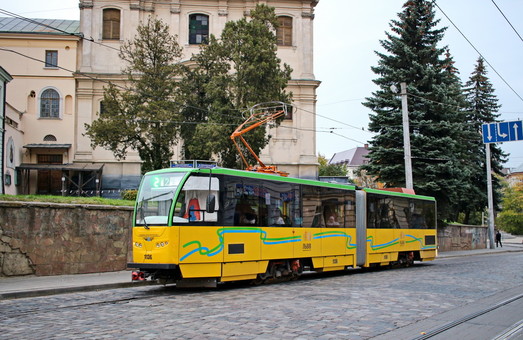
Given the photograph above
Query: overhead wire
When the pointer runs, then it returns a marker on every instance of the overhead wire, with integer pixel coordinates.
(474, 47)
(36, 22)
(184, 105)
(504, 16)
(330, 130)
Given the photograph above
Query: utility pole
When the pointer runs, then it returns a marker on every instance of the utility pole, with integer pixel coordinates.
(490, 197)
(406, 137)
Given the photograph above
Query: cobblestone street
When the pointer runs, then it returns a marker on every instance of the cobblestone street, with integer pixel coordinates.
(357, 305)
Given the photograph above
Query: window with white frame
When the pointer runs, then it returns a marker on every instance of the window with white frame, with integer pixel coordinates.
(50, 104)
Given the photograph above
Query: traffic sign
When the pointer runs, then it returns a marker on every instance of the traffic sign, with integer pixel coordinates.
(502, 132)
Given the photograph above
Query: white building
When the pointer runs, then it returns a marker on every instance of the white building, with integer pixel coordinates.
(53, 104)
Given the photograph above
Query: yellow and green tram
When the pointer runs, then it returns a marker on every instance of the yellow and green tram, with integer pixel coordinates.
(199, 227)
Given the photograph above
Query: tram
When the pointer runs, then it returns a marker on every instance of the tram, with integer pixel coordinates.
(203, 226)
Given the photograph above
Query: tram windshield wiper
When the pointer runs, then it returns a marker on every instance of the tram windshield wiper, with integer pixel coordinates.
(156, 196)
(141, 204)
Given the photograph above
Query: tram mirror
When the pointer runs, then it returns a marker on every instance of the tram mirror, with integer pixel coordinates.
(211, 204)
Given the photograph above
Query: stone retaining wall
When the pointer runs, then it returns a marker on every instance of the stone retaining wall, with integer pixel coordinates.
(56, 239)
(454, 237)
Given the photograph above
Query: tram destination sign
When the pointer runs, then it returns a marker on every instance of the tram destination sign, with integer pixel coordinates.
(502, 132)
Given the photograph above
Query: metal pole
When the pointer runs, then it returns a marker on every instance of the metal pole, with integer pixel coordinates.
(406, 137)
(490, 197)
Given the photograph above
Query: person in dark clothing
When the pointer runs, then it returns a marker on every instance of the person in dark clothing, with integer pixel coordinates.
(498, 239)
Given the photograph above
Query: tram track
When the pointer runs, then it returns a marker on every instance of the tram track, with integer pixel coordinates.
(453, 324)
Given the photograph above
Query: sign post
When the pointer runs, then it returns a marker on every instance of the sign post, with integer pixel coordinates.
(497, 132)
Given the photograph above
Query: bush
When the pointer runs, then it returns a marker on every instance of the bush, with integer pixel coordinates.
(129, 195)
(510, 219)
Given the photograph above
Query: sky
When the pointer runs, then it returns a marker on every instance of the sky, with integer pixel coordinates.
(348, 32)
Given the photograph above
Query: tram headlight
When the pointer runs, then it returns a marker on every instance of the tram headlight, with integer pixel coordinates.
(137, 244)
(162, 244)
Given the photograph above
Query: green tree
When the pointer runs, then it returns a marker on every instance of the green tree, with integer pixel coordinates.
(230, 74)
(327, 169)
(510, 219)
(144, 116)
(482, 107)
(437, 124)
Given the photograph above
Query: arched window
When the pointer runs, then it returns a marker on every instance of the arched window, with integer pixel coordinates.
(284, 31)
(50, 104)
(198, 28)
(49, 138)
(111, 24)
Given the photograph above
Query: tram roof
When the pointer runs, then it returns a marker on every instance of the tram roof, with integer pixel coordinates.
(256, 175)
(397, 194)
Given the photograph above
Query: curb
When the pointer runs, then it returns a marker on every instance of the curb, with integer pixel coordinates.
(78, 289)
(444, 255)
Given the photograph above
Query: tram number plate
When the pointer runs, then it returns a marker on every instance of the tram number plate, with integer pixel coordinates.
(148, 257)
(307, 246)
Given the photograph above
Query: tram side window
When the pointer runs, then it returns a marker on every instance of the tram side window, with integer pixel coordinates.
(281, 201)
(328, 207)
(312, 210)
(332, 207)
(190, 206)
(241, 203)
(401, 212)
(381, 212)
(421, 214)
(350, 210)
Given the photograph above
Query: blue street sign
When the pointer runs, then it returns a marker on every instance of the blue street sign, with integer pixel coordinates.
(502, 132)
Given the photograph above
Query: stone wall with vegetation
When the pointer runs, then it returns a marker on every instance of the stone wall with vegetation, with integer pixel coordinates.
(455, 237)
(56, 239)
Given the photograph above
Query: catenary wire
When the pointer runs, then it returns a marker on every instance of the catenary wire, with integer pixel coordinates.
(474, 47)
(197, 108)
(36, 22)
(504, 16)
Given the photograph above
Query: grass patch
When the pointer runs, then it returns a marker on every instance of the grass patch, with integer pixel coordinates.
(67, 199)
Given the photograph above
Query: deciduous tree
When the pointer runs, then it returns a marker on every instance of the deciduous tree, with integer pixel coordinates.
(229, 75)
(327, 169)
(145, 115)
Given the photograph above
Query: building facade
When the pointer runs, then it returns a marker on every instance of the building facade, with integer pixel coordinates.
(41, 101)
(110, 23)
(59, 83)
(5, 177)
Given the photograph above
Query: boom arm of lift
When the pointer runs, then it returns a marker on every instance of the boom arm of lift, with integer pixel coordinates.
(256, 119)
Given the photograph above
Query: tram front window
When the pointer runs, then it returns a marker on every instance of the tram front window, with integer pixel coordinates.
(155, 198)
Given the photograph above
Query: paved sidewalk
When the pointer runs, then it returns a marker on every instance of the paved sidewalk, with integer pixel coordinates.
(31, 286)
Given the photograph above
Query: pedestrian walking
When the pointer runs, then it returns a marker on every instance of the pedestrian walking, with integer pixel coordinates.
(498, 239)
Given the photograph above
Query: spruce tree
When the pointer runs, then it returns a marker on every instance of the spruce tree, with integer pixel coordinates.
(436, 115)
(482, 107)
